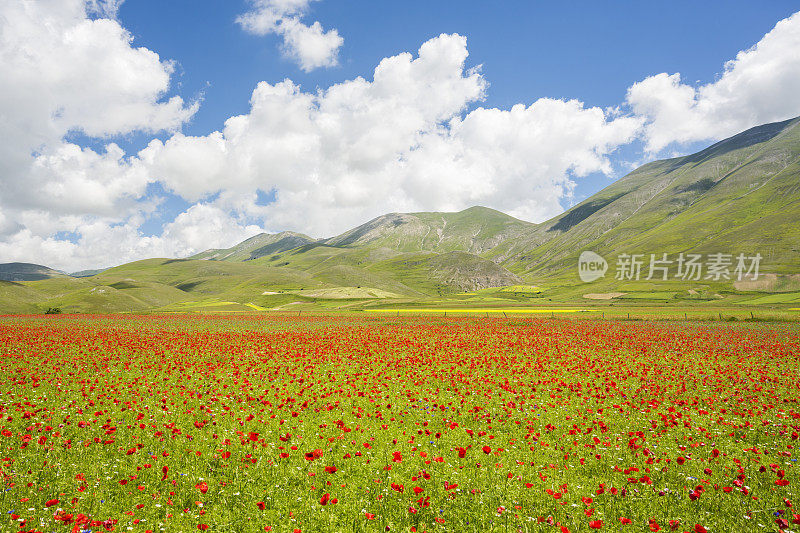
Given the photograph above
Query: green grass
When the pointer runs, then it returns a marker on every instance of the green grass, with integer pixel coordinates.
(531, 289)
(648, 296)
(347, 293)
(782, 298)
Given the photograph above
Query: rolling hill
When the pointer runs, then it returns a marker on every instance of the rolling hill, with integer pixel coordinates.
(741, 195)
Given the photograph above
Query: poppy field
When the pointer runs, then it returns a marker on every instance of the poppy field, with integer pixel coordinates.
(413, 424)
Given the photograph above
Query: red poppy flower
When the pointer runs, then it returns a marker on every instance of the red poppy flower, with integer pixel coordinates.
(316, 454)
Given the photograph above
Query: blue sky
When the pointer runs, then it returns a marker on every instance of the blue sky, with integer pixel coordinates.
(539, 55)
(591, 51)
(587, 50)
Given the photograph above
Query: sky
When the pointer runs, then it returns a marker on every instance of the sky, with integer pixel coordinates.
(142, 128)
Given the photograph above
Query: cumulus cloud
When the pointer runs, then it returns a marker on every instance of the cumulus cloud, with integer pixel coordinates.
(104, 8)
(106, 242)
(761, 85)
(63, 72)
(398, 142)
(310, 47)
(67, 68)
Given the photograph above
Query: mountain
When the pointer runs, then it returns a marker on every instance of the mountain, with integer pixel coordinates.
(27, 272)
(475, 230)
(260, 245)
(740, 195)
(87, 273)
(412, 254)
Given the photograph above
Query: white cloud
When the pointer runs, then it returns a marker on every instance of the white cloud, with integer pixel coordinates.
(398, 142)
(521, 161)
(200, 160)
(310, 47)
(201, 227)
(104, 8)
(73, 180)
(64, 71)
(105, 242)
(761, 85)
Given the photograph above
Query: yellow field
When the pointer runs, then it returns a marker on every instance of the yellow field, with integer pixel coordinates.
(482, 311)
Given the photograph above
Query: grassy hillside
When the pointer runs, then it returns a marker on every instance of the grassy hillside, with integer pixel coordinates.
(260, 245)
(16, 298)
(27, 272)
(741, 195)
(475, 230)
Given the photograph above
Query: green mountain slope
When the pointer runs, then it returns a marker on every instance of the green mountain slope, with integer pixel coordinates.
(27, 272)
(475, 230)
(16, 298)
(409, 254)
(258, 246)
(741, 195)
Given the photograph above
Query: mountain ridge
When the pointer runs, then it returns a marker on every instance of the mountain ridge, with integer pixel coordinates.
(27, 272)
